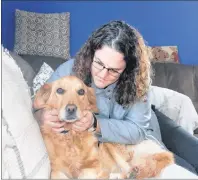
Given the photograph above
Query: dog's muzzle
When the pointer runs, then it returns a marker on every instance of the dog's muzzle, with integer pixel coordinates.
(70, 112)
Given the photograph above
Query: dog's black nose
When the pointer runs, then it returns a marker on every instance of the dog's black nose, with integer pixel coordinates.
(71, 108)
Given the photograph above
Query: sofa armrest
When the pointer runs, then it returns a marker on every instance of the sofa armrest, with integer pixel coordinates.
(177, 140)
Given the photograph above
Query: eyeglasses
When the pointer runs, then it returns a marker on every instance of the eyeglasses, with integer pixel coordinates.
(100, 67)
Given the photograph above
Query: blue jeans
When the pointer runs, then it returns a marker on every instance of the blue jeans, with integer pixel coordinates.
(179, 141)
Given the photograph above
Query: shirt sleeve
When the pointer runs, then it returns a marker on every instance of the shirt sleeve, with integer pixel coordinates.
(130, 130)
(64, 69)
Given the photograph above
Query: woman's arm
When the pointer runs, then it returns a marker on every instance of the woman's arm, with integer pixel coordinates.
(64, 69)
(130, 130)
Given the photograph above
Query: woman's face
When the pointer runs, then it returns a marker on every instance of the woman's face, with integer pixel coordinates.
(107, 66)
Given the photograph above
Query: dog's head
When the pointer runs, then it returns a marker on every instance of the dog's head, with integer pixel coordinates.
(69, 95)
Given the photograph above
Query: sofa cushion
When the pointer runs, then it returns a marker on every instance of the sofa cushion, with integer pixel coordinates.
(23, 151)
(178, 77)
(37, 61)
(26, 69)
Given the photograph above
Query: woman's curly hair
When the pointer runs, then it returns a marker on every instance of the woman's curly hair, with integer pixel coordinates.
(135, 80)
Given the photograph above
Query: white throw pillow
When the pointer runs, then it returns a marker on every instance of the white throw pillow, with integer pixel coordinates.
(176, 106)
(23, 150)
(42, 76)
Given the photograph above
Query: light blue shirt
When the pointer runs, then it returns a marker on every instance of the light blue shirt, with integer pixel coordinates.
(120, 125)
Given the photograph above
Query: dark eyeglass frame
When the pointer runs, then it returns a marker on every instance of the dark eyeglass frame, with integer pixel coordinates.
(110, 70)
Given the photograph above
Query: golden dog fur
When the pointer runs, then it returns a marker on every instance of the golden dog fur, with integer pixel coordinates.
(77, 154)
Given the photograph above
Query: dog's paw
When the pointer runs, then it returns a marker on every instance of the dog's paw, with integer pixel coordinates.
(133, 172)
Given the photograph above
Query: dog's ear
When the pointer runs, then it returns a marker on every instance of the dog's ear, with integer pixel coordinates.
(92, 100)
(42, 96)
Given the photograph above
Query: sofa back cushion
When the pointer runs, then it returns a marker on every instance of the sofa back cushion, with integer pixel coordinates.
(26, 69)
(178, 77)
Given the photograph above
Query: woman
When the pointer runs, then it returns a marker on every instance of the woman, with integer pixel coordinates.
(114, 61)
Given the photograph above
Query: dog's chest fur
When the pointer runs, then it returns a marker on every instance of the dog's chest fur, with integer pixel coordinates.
(72, 152)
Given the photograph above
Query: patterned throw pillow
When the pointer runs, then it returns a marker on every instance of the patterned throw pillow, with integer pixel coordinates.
(42, 34)
(164, 54)
(43, 75)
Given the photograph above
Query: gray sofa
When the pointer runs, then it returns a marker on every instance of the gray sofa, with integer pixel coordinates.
(22, 141)
(178, 77)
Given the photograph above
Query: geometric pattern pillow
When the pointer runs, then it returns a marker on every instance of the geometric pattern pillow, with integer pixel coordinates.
(164, 54)
(42, 34)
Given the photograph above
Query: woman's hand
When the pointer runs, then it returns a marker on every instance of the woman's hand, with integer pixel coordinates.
(50, 118)
(84, 123)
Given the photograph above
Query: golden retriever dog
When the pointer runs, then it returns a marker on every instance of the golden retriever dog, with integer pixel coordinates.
(78, 154)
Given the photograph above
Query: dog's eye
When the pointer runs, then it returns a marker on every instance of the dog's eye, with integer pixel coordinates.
(81, 92)
(60, 91)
